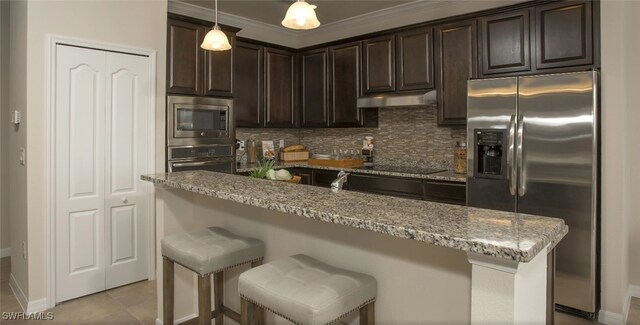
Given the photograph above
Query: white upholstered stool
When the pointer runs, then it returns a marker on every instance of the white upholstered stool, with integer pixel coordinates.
(205, 252)
(305, 291)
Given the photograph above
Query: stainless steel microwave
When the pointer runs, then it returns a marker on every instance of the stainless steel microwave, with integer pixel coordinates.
(199, 120)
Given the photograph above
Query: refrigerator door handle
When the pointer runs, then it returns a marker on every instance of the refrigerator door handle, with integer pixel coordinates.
(522, 187)
(511, 167)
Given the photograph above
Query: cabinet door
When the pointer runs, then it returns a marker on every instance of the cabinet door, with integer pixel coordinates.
(456, 63)
(504, 39)
(386, 185)
(248, 85)
(414, 59)
(378, 65)
(184, 57)
(218, 70)
(315, 88)
(345, 85)
(446, 192)
(323, 178)
(564, 34)
(280, 91)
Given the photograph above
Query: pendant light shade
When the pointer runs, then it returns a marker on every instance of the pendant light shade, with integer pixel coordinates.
(301, 15)
(216, 40)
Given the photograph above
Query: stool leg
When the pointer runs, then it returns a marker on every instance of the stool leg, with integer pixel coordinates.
(250, 313)
(244, 311)
(218, 296)
(167, 291)
(367, 314)
(204, 299)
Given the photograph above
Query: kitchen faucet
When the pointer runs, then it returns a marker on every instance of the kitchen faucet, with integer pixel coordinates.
(337, 183)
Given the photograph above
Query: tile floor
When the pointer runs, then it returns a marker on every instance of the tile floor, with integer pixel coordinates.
(131, 304)
(136, 304)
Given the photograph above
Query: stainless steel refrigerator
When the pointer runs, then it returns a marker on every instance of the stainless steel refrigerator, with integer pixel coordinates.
(533, 148)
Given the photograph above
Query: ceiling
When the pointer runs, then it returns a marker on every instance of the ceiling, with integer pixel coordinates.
(273, 11)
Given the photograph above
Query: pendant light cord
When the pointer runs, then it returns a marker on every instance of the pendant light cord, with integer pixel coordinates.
(216, 1)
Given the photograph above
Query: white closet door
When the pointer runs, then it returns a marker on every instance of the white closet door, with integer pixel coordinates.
(126, 206)
(79, 179)
(101, 123)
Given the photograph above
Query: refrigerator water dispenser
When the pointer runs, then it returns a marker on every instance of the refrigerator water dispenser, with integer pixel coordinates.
(491, 153)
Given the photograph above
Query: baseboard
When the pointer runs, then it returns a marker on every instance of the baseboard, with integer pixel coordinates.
(609, 318)
(27, 306)
(5, 252)
(17, 291)
(179, 320)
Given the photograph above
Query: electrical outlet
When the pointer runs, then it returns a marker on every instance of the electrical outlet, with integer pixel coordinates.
(281, 144)
(241, 145)
(15, 117)
(24, 250)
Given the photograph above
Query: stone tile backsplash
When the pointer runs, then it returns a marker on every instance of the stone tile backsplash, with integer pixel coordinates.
(405, 136)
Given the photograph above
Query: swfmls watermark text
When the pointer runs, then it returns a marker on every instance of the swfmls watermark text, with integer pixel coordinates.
(24, 316)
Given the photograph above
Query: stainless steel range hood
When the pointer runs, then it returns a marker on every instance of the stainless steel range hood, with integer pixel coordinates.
(398, 100)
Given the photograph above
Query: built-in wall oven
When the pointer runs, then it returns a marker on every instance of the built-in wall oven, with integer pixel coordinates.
(200, 134)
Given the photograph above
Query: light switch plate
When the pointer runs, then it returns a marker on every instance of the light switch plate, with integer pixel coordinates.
(15, 117)
(23, 156)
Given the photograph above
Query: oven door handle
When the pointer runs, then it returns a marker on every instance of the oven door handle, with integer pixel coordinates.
(199, 163)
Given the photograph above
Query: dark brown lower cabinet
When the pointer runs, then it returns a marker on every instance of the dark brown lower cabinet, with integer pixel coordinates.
(445, 192)
(402, 187)
(323, 178)
(304, 173)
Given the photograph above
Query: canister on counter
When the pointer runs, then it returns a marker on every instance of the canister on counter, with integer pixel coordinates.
(460, 157)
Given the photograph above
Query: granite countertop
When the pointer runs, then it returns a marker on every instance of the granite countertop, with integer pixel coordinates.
(398, 171)
(511, 236)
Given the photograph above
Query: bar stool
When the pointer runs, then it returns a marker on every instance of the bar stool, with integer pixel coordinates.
(205, 252)
(305, 291)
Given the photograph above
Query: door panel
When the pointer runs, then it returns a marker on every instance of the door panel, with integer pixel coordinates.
(79, 179)
(557, 176)
(123, 235)
(125, 199)
(491, 103)
(84, 241)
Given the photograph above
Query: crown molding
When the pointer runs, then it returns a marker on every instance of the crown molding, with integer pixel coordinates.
(250, 28)
(398, 16)
(402, 15)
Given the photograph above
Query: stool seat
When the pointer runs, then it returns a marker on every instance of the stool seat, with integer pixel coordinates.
(306, 291)
(211, 250)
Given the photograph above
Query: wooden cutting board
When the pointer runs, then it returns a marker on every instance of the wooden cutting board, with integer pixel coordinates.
(346, 163)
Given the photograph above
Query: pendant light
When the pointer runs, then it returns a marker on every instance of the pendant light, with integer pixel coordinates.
(301, 15)
(216, 40)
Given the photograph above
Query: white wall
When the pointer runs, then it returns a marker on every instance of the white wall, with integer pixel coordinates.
(140, 24)
(620, 151)
(5, 224)
(633, 148)
(17, 139)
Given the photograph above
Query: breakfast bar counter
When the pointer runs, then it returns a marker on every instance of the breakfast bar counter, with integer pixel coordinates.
(434, 262)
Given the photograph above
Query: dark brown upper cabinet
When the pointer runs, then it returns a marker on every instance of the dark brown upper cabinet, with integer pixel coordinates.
(218, 71)
(315, 88)
(345, 85)
(192, 70)
(184, 57)
(378, 65)
(504, 42)
(414, 59)
(280, 108)
(248, 84)
(455, 64)
(564, 34)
